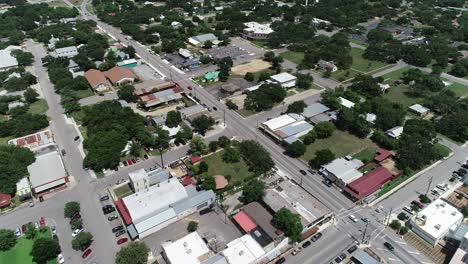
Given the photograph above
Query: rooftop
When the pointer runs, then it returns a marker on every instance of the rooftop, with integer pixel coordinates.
(220, 181)
(47, 168)
(34, 140)
(345, 102)
(6, 59)
(300, 127)
(363, 257)
(314, 109)
(257, 28)
(191, 249)
(283, 77)
(395, 132)
(419, 109)
(437, 218)
(344, 169)
(282, 121)
(191, 110)
(95, 78)
(243, 250)
(369, 183)
(205, 37)
(116, 74)
(261, 217)
(382, 154)
(244, 221)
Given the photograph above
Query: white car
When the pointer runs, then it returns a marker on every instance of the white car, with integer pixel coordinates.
(353, 218)
(60, 258)
(76, 232)
(443, 187)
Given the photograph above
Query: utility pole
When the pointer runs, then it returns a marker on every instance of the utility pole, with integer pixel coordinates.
(364, 234)
(389, 215)
(429, 185)
(224, 117)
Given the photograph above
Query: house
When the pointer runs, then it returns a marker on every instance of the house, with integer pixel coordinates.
(36, 141)
(371, 118)
(185, 53)
(382, 154)
(212, 76)
(160, 205)
(15, 104)
(434, 221)
(244, 222)
(256, 31)
(284, 79)
(67, 52)
(47, 173)
(395, 132)
(318, 21)
(5, 200)
(191, 64)
(140, 180)
(314, 109)
(345, 102)
(23, 189)
(7, 60)
(120, 75)
(384, 87)
(157, 88)
(419, 110)
(97, 80)
(194, 110)
(324, 117)
(327, 66)
(190, 249)
(342, 171)
(162, 97)
(199, 41)
(368, 184)
(399, 32)
(176, 24)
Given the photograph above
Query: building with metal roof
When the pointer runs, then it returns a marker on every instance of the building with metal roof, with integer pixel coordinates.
(244, 222)
(200, 40)
(34, 142)
(243, 250)
(362, 257)
(314, 109)
(162, 97)
(345, 102)
(47, 172)
(368, 184)
(342, 171)
(67, 52)
(261, 217)
(192, 110)
(419, 109)
(8, 61)
(141, 179)
(286, 80)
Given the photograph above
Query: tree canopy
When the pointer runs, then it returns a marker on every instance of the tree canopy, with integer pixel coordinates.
(289, 223)
(133, 253)
(256, 157)
(322, 157)
(44, 249)
(7, 239)
(14, 161)
(252, 191)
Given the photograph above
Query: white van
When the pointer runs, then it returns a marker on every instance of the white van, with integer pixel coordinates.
(353, 218)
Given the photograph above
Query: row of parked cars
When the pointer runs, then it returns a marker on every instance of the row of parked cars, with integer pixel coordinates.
(21, 230)
(109, 211)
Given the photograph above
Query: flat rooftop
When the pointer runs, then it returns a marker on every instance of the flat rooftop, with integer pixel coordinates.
(191, 249)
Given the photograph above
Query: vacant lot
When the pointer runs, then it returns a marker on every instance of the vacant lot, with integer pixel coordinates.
(38, 107)
(401, 94)
(363, 65)
(216, 166)
(341, 144)
(294, 56)
(20, 254)
(253, 66)
(395, 75)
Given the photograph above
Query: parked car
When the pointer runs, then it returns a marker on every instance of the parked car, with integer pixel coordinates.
(117, 228)
(76, 138)
(87, 253)
(280, 261)
(443, 187)
(190, 88)
(125, 163)
(122, 240)
(76, 216)
(60, 258)
(303, 172)
(104, 198)
(107, 209)
(408, 210)
(352, 249)
(306, 244)
(465, 166)
(418, 204)
(63, 152)
(76, 232)
(435, 192)
(295, 251)
(42, 221)
(327, 183)
(353, 218)
(365, 220)
(54, 230)
(18, 232)
(389, 246)
(145, 156)
(55, 237)
(36, 225)
(31, 204)
(112, 217)
(134, 161)
(316, 237)
(130, 162)
(119, 233)
(24, 228)
(340, 258)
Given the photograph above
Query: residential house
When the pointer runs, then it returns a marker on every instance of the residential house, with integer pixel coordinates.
(419, 110)
(327, 66)
(256, 31)
(395, 132)
(185, 53)
(284, 79)
(314, 109)
(176, 24)
(67, 52)
(97, 80)
(7, 60)
(120, 75)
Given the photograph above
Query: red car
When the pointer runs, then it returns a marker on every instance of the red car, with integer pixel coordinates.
(24, 227)
(130, 162)
(86, 253)
(42, 221)
(189, 87)
(122, 240)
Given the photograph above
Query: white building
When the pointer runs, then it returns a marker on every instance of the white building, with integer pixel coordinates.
(243, 250)
(47, 172)
(185, 53)
(342, 171)
(68, 52)
(281, 121)
(256, 31)
(284, 79)
(200, 40)
(141, 180)
(8, 61)
(191, 249)
(345, 102)
(435, 221)
(395, 132)
(419, 110)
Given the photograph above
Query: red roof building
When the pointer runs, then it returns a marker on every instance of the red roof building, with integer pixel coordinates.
(187, 180)
(124, 212)
(5, 200)
(195, 159)
(120, 75)
(220, 181)
(368, 183)
(382, 154)
(244, 221)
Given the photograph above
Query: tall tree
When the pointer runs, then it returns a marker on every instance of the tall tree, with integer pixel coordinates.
(322, 157)
(44, 250)
(289, 223)
(173, 119)
(252, 191)
(133, 253)
(7, 239)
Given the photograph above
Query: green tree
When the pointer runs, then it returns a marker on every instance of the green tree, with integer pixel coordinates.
(203, 123)
(402, 216)
(127, 92)
(7, 239)
(403, 230)
(71, 208)
(324, 129)
(192, 226)
(208, 183)
(310, 137)
(135, 149)
(198, 146)
(395, 224)
(231, 105)
(296, 107)
(133, 253)
(30, 95)
(76, 224)
(304, 81)
(208, 44)
(14, 161)
(289, 223)
(231, 155)
(322, 157)
(464, 211)
(252, 191)
(224, 141)
(269, 56)
(256, 157)
(173, 118)
(23, 58)
(31, 231)
(203, 167)
(44, 250)
(205, 59)
(213, 146)
(82, 241)
(295, 149)
(249, 76)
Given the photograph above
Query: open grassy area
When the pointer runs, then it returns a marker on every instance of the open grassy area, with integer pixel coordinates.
(459, 89)
(342, 75)
(364, 65)
(293, 56)
(216, 166)
(443, 150)
(4, 140)
(20, 254)
(123, 191)
(38, 107)
(84, 93)
(261, 44)
(78, 116)
(365, 155)
(401, 94)
(395, 75)
(341, 143)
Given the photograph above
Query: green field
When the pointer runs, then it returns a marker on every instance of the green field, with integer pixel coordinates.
(38, 107)
(293, 56)
(341, 144)
(4, 140)
(365, 155)
(364, 65)
(216, 166)
(123, 191)
(342, 75)
(84, 93)
(459, 89)
(395, 75)
(20, 254)
(401, 94)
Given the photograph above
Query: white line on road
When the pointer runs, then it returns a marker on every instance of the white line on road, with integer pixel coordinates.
(177, 69)
(392, 259)
(414, 252)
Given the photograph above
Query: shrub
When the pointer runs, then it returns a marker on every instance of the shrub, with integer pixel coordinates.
(395, 224)
(403, 230)
(192, 226)
(402, 216)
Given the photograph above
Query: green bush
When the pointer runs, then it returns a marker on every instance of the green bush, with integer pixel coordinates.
(403, 230)
(402, 216)
(395, 224)
(192, 226)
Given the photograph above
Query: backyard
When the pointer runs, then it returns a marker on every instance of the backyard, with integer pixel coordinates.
(216, 166)
(20, 254)
(341, 143)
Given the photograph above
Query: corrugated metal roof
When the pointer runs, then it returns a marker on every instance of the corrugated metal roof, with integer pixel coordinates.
(194, 201)
(216, 259)
(155, 220)
(362, 257)
(369, 183)
(293, 129)
(244, 221)
(314, 109)
(46, 169)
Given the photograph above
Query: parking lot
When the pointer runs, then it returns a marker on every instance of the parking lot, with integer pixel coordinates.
(217, 229)
(232, 51)
(215, 89)
(145, 72)
(113, 219)
(437, 254)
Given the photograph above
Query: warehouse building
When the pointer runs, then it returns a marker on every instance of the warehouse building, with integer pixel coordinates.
(342, 171)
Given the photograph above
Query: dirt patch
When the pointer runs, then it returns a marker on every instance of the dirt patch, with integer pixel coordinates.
(389, 164)
(438, 254)
(238, 100)
(253, 66)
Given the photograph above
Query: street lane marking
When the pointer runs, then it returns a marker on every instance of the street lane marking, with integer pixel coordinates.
(414, 252)
(394, 259)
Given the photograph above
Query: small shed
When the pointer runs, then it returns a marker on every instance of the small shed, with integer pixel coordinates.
(195, 160)
(220, 181)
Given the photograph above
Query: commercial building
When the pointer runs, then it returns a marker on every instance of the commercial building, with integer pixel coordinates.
(130, 63)
(23, 189)
(67, 52)
(200, 40)
(193, 111)
(97, 80)
(368, 184)
(163, 97)
(256, 31)
(35, 142)
(435, 221)
(140, 179)
(362, 257)
(314, 109)
(47, 173)
(243, 250)
(156, 207)
(287, 128)
(284, 79)
(156, 88)
(342, 171)
(191, 249)
(8, 61)
(185, 53)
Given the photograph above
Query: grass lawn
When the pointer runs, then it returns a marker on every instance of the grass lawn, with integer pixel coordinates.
(261, 44)
(342, 75)
(443, 150)
(459, 89)
(4, 141)
(84, 93)
(359, 42)
(216, 166)
(341, 143)
(395, 75)
(365, 155)
(78, 116)
(20, 253)
(38, 107)
(293, 56)
(3, 118)
(364, 65)
(399, 94)
(123, 191)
